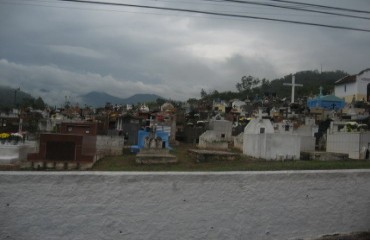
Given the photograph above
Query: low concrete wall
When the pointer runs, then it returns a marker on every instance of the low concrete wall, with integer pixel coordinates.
(109, 145)
(238, 141)
(10, 154)
(231, 205)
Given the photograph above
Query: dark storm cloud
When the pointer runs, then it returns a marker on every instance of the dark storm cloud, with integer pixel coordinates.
(73, 48)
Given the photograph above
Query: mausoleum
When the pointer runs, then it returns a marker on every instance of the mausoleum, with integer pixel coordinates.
(263, 139)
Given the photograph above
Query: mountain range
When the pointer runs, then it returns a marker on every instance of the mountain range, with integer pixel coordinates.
(10, 97)
(99, 99)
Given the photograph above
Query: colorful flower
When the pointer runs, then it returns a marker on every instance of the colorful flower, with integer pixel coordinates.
(4, 135)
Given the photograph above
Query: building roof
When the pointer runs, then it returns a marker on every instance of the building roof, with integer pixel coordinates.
(350, 78)
(331, 98)
(346, 79)
(363, 71)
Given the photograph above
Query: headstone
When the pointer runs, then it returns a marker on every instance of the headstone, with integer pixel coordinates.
(154, 151)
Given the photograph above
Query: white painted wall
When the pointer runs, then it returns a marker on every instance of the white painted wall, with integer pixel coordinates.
(218, 137)
(356, 88)
(307, 143)
(344, 90)
(272, 146)
(282, 146)
(222, 127)
(226, 205)
(255, 125)
(212, 139)
(363, 80)
(351, 143)
(342, 143)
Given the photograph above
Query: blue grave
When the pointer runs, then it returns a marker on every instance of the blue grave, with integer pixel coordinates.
(328, 102)
(142, 134)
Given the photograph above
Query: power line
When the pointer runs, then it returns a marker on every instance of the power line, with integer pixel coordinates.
(323, 6)
(295, 8)
(121, 11)
(218, 14)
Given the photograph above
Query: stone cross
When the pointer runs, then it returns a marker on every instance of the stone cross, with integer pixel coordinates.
(259, 115)
(293, 84)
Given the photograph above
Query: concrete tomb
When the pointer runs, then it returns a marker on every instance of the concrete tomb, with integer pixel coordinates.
(264, 140)
(74, 147)
(154, 151)
(13, 153)
(348, 138)
(219, 135)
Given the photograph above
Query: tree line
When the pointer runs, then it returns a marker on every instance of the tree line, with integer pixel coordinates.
(251, 88)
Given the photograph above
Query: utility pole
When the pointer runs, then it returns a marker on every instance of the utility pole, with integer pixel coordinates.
(15, 96)
(19, 110)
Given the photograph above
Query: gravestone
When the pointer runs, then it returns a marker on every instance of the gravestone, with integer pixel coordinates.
(154, 151)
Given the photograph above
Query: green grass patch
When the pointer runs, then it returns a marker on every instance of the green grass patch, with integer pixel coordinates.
(127, 162)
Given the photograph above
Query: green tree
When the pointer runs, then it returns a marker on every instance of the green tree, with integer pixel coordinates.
(265, 85)
(203, 93)
(160, 101)
(247, 84)
(39, 104)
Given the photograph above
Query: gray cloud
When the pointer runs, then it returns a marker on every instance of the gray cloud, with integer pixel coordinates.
(71, 49)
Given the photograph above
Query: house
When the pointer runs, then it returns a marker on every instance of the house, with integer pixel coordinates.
(219, 106)
(354, 87)
(9, 121)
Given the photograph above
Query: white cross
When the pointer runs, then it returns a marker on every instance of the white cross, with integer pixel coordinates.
(259, 115)
(293, 84)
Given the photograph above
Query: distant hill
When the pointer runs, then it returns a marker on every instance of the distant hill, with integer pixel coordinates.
(99, 99)
(10, 97)
(311, 80)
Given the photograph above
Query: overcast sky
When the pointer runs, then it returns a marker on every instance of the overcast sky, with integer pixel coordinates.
(55, 49)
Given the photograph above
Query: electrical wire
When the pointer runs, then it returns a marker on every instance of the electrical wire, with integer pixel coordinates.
(294, 8)
(323, 6)
(217, 14)
(220, 14)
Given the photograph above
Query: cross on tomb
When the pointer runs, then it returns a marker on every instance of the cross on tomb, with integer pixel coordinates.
(293, 84)
(321, 88)
(259, 115)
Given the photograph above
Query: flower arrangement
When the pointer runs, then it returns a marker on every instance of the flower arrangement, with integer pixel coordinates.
(16, 137)
(13, 137)
(4, 137)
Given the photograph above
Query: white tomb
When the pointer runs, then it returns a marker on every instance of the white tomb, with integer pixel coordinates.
(280, 142)
(342, 139)
(219, 135)
(12, 153)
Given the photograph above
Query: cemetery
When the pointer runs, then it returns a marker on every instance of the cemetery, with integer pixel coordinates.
(185, 120)
(232, 134)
